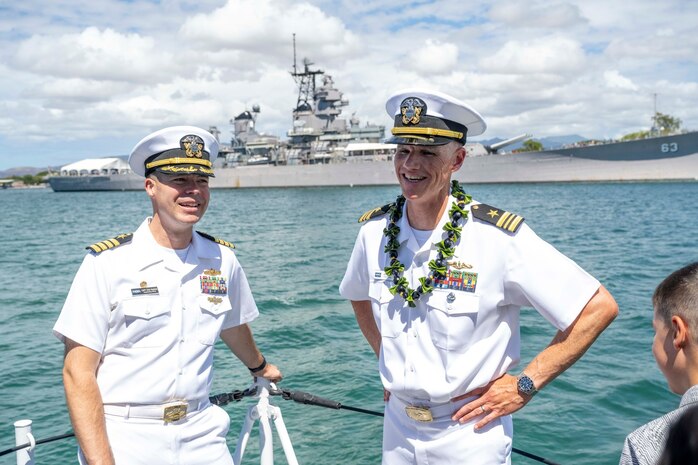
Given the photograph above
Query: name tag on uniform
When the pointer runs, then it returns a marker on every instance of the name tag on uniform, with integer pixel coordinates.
(144, 291)
(380, 275)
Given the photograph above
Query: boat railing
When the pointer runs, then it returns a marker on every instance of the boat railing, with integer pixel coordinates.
(262, 411)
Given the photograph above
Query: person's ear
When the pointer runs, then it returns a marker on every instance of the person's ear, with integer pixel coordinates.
(150, 186)
(458, 159)
(680, 332)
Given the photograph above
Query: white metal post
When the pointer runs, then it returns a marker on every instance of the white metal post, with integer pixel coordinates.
(266, 443)
(264, 411)
(244, 437)
(23, 435)
(283, 436)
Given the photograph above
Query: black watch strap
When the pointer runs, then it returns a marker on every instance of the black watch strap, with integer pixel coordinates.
(260, 367)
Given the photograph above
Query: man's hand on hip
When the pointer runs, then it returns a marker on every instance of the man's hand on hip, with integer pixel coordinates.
(498, 398)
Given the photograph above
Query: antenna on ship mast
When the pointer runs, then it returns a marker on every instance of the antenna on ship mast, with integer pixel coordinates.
(305, 81)
(294, 53)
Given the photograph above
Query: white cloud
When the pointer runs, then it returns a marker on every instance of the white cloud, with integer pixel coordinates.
(556, 55)
(654, 47)
(528, 14)
(615, 80)
(95, 54)
(434, 57)
(77, 90)
(267, 26)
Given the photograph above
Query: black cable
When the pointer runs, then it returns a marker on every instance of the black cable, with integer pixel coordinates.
(311, 399)
(38, 441)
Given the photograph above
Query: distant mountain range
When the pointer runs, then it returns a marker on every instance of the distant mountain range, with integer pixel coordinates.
(553, 142)
(23, 170)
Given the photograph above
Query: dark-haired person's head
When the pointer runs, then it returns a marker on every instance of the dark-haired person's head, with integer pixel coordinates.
(675, 345)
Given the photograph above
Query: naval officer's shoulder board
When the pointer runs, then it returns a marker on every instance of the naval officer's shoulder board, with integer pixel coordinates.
(100, 247)
(376, 212)
(216, 240)
(504, 220)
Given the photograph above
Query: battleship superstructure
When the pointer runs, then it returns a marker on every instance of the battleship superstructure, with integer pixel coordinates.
(318, 132)
(247, 146)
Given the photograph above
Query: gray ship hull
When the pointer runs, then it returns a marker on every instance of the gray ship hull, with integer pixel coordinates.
(658, 159)
(116, 182)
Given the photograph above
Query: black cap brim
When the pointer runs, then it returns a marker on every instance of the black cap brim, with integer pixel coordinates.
(419, 140)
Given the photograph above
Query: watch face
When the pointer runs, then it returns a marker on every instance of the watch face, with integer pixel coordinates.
(525, 385)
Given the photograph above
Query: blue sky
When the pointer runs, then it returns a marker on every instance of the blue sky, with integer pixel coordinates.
(89, 78)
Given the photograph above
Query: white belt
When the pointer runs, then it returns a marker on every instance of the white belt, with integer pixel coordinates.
(425, 411)
(168, 412)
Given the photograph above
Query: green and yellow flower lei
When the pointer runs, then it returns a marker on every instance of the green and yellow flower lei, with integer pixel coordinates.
(446, 247)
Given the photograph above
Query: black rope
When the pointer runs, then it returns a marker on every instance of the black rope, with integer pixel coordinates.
(296, 396)
(311, 399)
(38, 441)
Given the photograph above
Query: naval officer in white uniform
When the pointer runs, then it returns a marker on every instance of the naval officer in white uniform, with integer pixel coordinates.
(142, 316)
(437, 280)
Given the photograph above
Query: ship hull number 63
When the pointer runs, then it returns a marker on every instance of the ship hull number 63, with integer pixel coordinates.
(670, 147)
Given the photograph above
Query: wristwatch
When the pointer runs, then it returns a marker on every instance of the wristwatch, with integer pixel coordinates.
(525, 385)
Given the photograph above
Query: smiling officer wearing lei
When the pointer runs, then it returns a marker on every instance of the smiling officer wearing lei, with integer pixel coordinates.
(142, 317)
(437, 281)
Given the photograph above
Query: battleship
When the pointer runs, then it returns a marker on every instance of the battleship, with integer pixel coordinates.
(324, 149)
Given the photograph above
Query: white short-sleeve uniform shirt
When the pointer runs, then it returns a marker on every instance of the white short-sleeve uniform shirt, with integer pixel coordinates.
(154, 318)
(466, 333)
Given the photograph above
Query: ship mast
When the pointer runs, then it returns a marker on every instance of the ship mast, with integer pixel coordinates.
(305, 81)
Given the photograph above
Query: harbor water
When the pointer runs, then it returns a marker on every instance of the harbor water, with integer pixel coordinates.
(294, 245)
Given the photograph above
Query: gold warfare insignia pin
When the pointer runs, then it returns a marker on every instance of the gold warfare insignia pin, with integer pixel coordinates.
(460, 265)
(215, 300)
(212, 272)
(411, 109)
(192, 145)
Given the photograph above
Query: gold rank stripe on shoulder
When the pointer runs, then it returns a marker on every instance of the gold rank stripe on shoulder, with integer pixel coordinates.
(502, 219)
(216, 240)
(375, 212)
(100, 247)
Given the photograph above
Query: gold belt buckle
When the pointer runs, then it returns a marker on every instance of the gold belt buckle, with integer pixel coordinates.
(419, 413)
(175, 412)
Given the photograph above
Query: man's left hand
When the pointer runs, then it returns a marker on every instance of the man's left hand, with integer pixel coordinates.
(498, 398)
